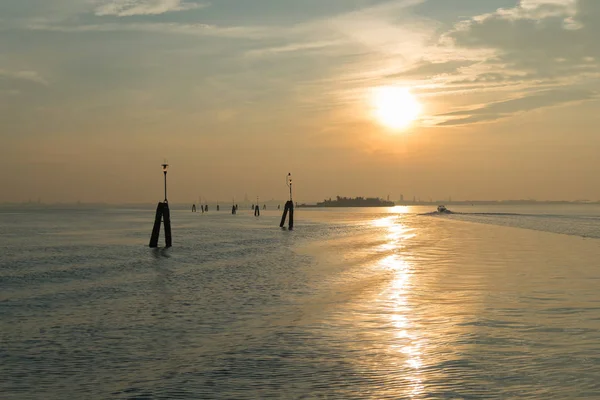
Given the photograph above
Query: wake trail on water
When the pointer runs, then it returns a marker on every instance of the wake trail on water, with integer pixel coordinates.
(476, 213)
(586, 226)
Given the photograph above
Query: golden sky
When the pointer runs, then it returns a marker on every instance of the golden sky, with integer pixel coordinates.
(490, 99)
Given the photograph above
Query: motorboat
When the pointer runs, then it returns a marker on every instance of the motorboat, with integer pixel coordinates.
(442, 209)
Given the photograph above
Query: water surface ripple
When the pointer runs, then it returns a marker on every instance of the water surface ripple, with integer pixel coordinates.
(353, 304)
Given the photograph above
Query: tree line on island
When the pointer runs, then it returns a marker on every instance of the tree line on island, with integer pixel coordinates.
(355, 202)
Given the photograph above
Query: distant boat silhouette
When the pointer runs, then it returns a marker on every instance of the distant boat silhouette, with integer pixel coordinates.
(442, 209)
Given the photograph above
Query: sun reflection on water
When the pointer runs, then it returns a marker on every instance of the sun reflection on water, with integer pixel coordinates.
(405, 342)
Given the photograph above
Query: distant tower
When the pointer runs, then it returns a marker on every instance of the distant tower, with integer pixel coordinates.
(402, 198)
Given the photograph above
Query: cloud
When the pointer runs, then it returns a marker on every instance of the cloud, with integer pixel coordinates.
(30, 76)
(167, 28)
(128, 8)
(503, 109)
(428, 69)
(533, 56)
(539, 36)
(292, 48)
(529, 56)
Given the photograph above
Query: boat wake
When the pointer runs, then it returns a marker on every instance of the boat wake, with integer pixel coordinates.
(587, 226)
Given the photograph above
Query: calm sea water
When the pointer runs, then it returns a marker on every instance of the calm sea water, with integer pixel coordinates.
(488, 303)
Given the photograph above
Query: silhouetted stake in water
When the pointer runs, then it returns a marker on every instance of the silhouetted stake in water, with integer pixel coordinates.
(162, 214)
(289, 207)
(256, 208)
(193, 208)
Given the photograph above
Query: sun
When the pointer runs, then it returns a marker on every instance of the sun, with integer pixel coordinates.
(395, 107)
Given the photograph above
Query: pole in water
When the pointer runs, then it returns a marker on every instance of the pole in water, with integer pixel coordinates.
(193, 208)
(257, 208)
(163, 215)
(289, 206)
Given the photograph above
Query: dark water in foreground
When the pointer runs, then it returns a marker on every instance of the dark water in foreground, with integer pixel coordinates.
(363, 303)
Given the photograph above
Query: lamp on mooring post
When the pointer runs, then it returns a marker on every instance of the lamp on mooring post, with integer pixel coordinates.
(162, 215)
(165, 166)
(289, 206)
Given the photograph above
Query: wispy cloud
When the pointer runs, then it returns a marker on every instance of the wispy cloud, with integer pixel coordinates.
(128, 8)
(503, 109)
(293, 48)
(30, 76)
(247, 32)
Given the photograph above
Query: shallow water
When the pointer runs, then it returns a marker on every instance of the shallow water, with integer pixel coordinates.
(354, 303)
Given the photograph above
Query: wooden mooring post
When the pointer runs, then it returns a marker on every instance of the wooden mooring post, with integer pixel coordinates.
(163, 214)
(289, 207)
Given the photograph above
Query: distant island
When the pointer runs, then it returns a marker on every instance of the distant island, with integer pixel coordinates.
(377, 202)
(353, 202)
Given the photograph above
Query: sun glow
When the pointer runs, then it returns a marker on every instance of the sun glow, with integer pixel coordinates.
(395, 107)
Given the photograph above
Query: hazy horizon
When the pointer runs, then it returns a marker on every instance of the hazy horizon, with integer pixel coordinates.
(275, 201)
(94, 95)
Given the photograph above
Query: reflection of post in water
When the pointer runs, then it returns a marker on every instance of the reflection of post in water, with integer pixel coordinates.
(162, 215)
(163, 313)
(289, 206)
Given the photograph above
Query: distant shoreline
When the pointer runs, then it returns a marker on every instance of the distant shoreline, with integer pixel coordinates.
(466, 203)
(271, 204)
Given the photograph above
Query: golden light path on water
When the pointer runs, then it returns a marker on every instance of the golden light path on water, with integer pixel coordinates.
(406, 340)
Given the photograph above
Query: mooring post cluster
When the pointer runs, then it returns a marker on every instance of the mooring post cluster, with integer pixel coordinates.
(289, 206)
(162, 215)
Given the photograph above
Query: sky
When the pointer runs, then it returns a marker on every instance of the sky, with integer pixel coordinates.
(96, 94)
